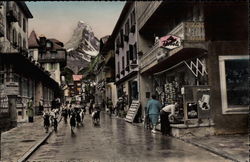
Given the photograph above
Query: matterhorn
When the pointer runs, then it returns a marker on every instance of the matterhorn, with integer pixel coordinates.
(82, 46)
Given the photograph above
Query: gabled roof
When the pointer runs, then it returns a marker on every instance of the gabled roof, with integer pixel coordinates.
(33, 42)
(77, 77)
(56, 41)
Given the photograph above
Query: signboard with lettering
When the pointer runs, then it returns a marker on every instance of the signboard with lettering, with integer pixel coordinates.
(132, 111)
(170, 42)
(12, 88)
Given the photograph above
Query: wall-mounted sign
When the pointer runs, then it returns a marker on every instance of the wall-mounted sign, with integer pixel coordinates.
(12, 88)
(170, 41)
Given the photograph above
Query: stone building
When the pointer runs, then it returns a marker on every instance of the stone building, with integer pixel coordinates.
(21, 76)
(195, 53)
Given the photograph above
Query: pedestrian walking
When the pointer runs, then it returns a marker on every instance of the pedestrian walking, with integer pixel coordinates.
(78, 117)
(153, 110)
(30, 110)
(110, 106)
(46, 121)
(91, 107)
(73, 122)
(55, 123)
(41, 108)
(165, 114)
(65, 115)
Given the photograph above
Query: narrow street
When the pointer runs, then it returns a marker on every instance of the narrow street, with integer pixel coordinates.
(116, 140)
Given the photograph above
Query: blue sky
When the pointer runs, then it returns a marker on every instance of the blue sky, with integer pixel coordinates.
(58, 19)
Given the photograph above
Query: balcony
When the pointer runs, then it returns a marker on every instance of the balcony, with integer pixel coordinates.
(189, 31)
(191, 34)
(59, 56)
(12, 15)
(151, 55)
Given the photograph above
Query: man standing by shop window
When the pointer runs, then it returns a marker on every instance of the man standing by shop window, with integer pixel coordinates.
(166, 113)
(153, 110)
(30, 110)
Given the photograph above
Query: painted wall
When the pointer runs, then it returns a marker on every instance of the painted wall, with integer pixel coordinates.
(224, 123)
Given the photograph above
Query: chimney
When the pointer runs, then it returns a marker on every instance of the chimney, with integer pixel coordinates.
(42, 40)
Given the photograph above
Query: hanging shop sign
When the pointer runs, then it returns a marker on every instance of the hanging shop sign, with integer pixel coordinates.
(170, 42)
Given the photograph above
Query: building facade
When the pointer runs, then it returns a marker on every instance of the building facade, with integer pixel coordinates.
(126, 59)
(190, 57)
(20, 76)
(105, 73)
(50, 53)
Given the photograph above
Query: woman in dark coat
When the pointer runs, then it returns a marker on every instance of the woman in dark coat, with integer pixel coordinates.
(73, 122)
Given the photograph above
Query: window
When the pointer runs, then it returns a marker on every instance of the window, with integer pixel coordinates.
(127, 28)
(24, 25)
(52, 66)
(14, 35)
(234, 72)
(131, 50)
(25, 86)
(121, 38)
(118, 67)
(19, 40)
(127, 58)
(123, 66)
(20, 19)
(48, 44)
(132, 18)
(135, 52)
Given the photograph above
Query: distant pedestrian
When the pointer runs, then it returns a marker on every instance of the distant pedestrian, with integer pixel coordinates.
(46, 121)
(166, 113)
(153, 110)
(73, 122)
(41, 108)
(91, 107)
(110, 106)
(30, 110)
(65, 115)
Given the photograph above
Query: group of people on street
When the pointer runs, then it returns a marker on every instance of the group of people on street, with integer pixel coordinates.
(50, 119)
(118, 109)
(154, 109)
(75, 113)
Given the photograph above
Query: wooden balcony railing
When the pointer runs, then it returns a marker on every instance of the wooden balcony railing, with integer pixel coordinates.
(187, 31)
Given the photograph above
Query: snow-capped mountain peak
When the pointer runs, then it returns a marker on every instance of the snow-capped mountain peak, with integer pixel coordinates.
(83, 40)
